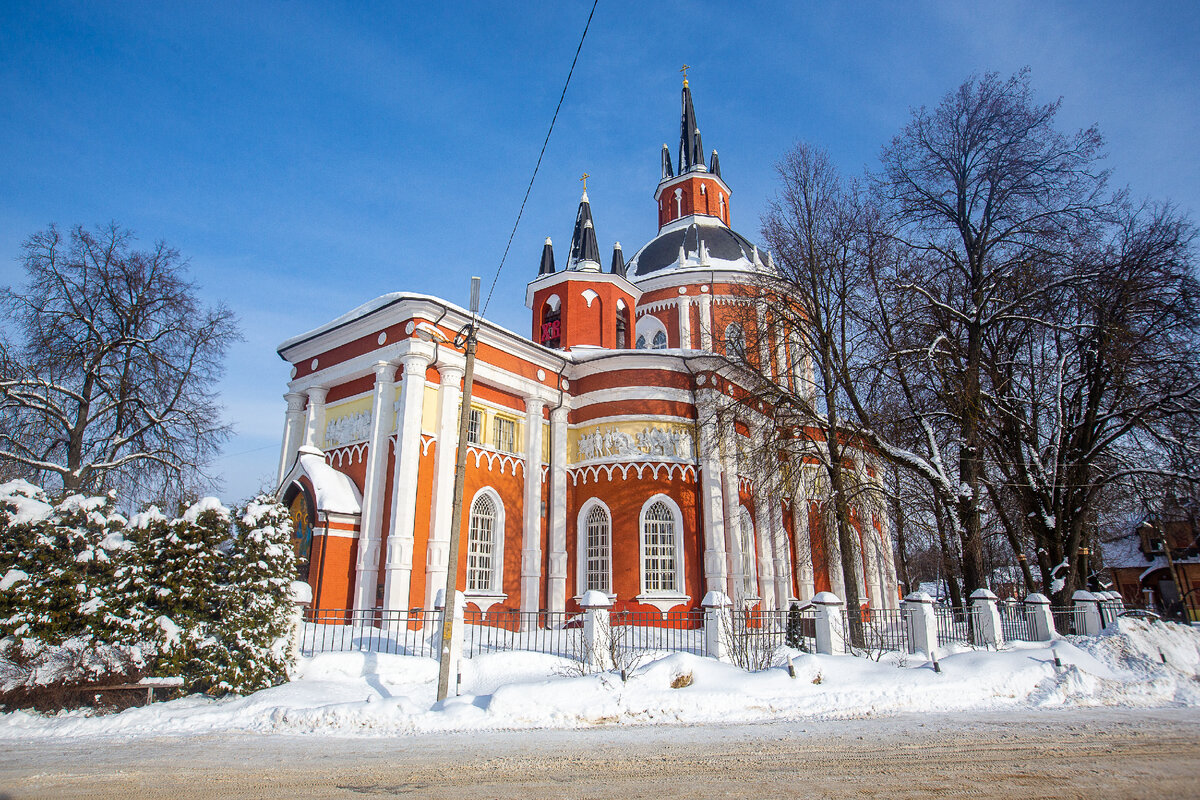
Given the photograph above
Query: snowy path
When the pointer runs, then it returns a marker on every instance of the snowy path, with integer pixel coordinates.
(1090, 753)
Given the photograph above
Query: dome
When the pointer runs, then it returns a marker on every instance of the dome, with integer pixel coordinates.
(725, 249)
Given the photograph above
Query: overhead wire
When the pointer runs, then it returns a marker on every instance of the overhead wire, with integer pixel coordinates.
(538, 165)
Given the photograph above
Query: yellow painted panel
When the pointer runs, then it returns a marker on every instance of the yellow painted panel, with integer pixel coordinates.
(429, 410)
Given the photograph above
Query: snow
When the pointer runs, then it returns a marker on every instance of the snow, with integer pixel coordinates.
(202, 505)
(28, 501)
(333, 489)
(373, 694)
(12, 578)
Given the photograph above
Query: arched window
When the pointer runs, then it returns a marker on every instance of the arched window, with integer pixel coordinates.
(641, 342)
(483, 541)
(660, 341)
(622, 325)
(597, 556)
(735, 341)
(551, 332)
(749, 570)
(658, 549)
(651, 332)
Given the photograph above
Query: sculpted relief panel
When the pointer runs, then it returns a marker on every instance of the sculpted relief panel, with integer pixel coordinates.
(642, 441)
(348, 429)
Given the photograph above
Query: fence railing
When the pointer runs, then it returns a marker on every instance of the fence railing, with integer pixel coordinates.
(553, 633)
(1068, 620)
(956, 625)
(408, 633)
(876, 629)
(650, 631)
(1015, 624)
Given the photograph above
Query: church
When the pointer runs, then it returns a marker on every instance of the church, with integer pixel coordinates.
(595, 457)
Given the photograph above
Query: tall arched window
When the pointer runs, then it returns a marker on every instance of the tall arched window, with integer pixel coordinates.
(622, 325)
(481, 544)
(551, 333)
(660, 341)
(597, 571)
(749, 569)
(641, 341)
(658, 550)
(735, 341)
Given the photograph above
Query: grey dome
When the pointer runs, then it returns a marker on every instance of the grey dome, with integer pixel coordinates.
(726, 249)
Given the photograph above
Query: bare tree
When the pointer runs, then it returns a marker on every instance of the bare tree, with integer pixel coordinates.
(108, 366)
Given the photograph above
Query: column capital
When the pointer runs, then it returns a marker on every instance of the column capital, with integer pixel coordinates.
(558, 414)
(295, 401)
(450, 373)
(414, 360)
(317, 394)
(534, 404)
(385, 371)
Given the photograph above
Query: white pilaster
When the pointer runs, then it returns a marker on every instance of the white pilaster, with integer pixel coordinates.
(733, 508)
(531, 536)
(293, 432)
(802, 545)
(766, 562)
(314, 430)
(437, 558)
(557, 588)
(685, 322)
(706, 332)
(397, 579)
(783, 569)
(711, 499)
(370, 538)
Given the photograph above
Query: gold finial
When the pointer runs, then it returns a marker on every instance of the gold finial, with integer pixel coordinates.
(584, 178)
(684, 71)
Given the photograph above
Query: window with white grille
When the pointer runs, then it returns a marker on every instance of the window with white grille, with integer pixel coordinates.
(749, 570)
(660, 341)
(475, 426)
(481, 541)
(659, 549)
(597, 564)
(504, 435)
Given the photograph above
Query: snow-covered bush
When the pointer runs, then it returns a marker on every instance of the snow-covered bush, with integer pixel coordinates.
(254, 650)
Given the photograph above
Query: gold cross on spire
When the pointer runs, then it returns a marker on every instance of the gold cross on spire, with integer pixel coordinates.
(684, 70)
(584, 178)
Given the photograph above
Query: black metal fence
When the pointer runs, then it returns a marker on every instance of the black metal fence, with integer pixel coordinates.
(956, 625)
(408, 633)
(653, 632)
(553, 633)
(876, 630)
(1068, 620)
(1015, 624)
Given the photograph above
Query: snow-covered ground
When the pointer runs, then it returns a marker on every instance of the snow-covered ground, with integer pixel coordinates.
(372, 695)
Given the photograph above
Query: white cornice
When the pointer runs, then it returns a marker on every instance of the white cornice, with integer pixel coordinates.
(562, 276)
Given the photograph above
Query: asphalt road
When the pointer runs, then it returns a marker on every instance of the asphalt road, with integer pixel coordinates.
(1088, 753)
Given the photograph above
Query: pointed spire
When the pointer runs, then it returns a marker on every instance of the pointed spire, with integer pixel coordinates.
(667, 170)
(715, 165)
(690, 158)
(618, 261)
(585, 253)
(547, 266)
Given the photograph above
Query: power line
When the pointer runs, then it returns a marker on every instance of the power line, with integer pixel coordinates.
(537, 166)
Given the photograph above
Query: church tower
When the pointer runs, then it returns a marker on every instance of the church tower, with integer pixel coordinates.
(582, 306)
(697, 189)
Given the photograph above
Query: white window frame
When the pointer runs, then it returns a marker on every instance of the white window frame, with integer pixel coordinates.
(663, 600)
(475, 423)
(581, 546)
(750, 559)
(499, 425)
(645, 328)
(494, 589)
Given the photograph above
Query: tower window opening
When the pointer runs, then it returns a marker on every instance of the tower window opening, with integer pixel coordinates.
(551, 332)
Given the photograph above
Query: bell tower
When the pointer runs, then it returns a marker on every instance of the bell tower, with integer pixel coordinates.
(582, 306)
(697, 189)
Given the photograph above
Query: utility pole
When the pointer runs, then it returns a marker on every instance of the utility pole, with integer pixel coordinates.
(450, 602)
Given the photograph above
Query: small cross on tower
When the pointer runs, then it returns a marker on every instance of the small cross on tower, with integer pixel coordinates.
(584, 178)
(684, 70)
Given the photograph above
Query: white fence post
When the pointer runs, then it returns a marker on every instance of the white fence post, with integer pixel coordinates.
(1041, 621)
(301, 599)
(921, 621)
(830, 628)
(1089, 604)
(988, 631)
(718, 625)
(456, 641)
(597, 629)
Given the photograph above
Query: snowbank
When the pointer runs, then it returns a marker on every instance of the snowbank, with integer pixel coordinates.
(375, 694)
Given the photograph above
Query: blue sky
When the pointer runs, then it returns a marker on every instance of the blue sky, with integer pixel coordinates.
(308, 157)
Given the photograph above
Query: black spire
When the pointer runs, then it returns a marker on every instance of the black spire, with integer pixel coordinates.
(585, 253)
(691, 154)
(618, 261)
(667, 170)
(715, 165)
(547, 266)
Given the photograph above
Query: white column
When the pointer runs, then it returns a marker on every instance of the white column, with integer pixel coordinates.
(410, 403)
(763, 541)
(531, 534)
(764, 342)
(557, 589)
(891, 583)
(733, 508)
(370, 536)
(437, 558)
(706, 331)
(870, 560)
(779, 550)
(293, 433)
(314, 430)
(711, 499)
(833, 557)
(802, 545)
(685, 322)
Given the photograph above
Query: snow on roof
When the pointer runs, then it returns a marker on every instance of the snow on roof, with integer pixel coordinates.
(334, 490)
(1125, 551)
